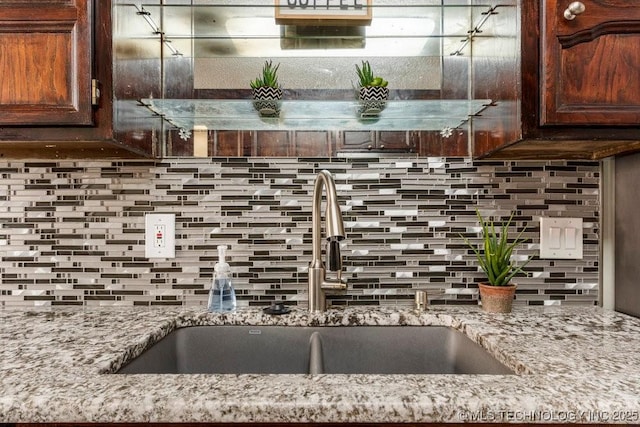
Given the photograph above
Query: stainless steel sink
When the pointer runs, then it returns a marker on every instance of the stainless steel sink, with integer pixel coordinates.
(315, 350)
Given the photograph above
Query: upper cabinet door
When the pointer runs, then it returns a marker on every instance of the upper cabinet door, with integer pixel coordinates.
(45, 62)
(590, 62)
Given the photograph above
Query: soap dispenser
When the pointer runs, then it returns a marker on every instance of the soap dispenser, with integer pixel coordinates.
(222, 296)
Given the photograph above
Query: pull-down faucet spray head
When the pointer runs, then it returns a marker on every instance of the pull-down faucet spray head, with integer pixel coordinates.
(334, 224)
(334, 259)
(335, 229)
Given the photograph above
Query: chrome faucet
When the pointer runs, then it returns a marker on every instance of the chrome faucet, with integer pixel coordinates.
(318, 282)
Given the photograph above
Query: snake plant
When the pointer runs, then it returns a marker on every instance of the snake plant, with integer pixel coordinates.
(494, 254)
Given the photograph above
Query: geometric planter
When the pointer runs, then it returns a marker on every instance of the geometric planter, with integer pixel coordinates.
(373, 99)
(497, 299)
(267, 100)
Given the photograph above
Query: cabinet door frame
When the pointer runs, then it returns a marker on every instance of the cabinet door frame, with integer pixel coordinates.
(595, 97)
(102, 65)
(53, 40)
(531, 94)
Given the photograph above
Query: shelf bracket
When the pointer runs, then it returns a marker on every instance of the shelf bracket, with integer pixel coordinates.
(477, 29)
(155, 28)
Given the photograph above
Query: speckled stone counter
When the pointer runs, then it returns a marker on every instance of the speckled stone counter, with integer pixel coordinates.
(572, 365)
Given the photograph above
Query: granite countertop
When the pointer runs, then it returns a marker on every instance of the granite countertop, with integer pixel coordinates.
(571, 364)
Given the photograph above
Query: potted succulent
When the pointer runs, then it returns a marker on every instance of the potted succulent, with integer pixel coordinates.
(267, 92)
(494, 257)
(372, 90)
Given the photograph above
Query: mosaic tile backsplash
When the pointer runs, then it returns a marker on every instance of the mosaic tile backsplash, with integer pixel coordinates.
(72, 232)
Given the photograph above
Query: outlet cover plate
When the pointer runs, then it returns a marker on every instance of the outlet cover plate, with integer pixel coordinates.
(160, 236)
(560, 238)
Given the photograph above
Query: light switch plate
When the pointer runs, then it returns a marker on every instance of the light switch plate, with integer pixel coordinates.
(560, 238)
(160, 236)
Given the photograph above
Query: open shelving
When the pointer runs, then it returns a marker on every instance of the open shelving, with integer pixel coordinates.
(179, 39)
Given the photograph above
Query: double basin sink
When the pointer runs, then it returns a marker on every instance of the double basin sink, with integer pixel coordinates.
(315, 350)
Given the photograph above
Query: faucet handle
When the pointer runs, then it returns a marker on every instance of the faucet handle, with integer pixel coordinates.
(334, 285)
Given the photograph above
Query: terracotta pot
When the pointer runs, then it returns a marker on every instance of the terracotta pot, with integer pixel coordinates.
(497, 299)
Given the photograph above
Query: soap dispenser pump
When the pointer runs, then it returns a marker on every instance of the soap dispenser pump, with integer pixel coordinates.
(222, 296)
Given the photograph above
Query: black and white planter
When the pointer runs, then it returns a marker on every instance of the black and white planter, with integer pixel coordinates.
(267, 100)
(373, 99)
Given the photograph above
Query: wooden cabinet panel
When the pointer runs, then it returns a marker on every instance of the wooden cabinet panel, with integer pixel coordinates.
(45, 60)
(590, 64)
(377, 141)
(580, 92)
(357, 141)
(395, 141)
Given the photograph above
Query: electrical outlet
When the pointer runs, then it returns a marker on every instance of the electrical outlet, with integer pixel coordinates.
(160, 236)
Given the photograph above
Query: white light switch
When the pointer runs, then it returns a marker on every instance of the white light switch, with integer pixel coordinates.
(561, 238)
(570, 238)
(554, 237)
(160, 236)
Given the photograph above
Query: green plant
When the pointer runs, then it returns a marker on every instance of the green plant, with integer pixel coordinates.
(367, 78)
(269, 77)
(494, 254)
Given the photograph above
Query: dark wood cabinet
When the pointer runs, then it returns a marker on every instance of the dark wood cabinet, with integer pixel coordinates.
(575, 95)
(45, 57)
(590, 63)
(51, 54)
(580, 91)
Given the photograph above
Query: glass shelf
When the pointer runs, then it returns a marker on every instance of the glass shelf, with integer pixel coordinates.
(416, 115)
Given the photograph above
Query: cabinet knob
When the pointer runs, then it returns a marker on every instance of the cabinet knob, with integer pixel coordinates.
(574, 9)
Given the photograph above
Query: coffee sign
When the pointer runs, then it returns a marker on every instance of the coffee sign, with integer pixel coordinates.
(323, 12)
